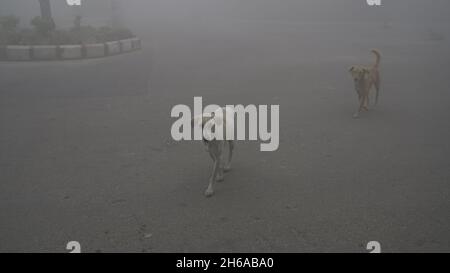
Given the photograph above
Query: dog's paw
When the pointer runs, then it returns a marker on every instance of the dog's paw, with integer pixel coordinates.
(356, 115)
(219, 178)
(209, 192)
(227, 168)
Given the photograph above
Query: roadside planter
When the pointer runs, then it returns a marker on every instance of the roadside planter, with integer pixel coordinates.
(68, 52)
(44, 52)
(18, 53)
(126, 45)
(113, 48)
(136, 43)
(95, 50)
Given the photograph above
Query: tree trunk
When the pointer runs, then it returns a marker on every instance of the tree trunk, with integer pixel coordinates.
(116, 20)
(46, 11)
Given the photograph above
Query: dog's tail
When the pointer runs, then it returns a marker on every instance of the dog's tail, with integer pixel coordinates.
(377, 73)
(378, 57)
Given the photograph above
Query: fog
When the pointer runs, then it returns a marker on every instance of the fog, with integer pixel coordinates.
(143, 12)
(86, 152)
(414, 11)
(410, 17)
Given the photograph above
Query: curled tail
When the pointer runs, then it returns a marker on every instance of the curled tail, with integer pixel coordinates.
(378, 57)
(377, 79)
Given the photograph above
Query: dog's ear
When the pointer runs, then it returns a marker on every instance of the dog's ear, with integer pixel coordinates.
(201, 120)
(205, 120)
(351, 68)
(197, 121)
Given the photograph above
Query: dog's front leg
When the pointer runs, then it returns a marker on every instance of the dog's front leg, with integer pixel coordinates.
(360, 108)
(366, 107)
(210, 190)
(219, 176)
(227, 167)
(366, 102)
(215, 155)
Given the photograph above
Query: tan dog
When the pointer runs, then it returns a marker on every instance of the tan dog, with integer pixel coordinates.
(216, 148)
(364, 78)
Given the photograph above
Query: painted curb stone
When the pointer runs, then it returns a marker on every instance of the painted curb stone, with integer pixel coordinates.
(44, 52)
(18, 53)
(71, 52)
(95, 50)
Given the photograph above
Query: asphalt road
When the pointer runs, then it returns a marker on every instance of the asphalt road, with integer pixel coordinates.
(86, 152)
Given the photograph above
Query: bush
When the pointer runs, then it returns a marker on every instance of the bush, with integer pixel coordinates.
(9, 23)
(7, 37)
(84, 34)
(63, 37)
(77, 22)
(42, 26)
(8, 29)
(107, 34)
(30, 37)
(44, 33)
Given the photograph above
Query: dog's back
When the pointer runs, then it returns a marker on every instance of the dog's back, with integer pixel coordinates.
(364, 78)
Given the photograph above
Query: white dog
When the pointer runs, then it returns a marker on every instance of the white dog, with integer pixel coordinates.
(214, 128)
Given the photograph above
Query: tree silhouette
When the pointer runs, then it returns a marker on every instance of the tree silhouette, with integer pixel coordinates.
(46, 12)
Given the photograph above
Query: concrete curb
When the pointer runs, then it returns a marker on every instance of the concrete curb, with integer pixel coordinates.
(18, 53)
(2, 52)
(136, 43)
(113, 48)
(68, 52)
(41, 53)
(95, 50)
(126, 45)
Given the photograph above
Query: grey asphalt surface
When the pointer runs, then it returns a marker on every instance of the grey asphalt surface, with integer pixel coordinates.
(86, 152)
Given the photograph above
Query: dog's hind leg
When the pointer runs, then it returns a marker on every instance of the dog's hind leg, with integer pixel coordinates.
(377, 86)
(227, 166)
(375, 82)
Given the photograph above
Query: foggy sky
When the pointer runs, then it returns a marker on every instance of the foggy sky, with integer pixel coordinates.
(141, 12)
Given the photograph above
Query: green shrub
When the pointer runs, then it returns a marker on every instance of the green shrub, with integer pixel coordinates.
(42, 26)
(27, 37)
(77, 22)
(84, 34)
(3, 38)
(31, 37)
(9, 37)
(8, 30)
(107, 34)
(44, 33)
(9, 23)
(63, 37)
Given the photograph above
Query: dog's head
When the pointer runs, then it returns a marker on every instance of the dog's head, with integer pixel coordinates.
(214, 123)
(205, 120)
(201, 120)
(358, 73)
